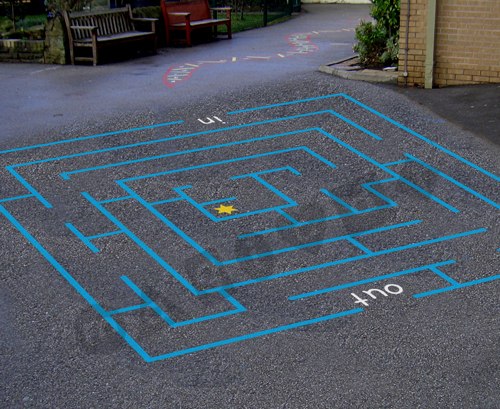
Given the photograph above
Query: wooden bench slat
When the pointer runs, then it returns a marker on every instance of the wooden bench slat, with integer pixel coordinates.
(96, 29)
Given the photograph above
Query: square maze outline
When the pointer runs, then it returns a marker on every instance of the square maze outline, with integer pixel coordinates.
(237, 307)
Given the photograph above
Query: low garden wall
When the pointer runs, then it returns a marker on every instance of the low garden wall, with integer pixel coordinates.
(50, 50)
(50, 43)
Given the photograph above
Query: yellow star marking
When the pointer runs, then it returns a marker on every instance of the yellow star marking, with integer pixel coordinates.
(222, 209)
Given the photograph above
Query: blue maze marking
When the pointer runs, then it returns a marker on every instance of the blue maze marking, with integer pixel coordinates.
(183, 195)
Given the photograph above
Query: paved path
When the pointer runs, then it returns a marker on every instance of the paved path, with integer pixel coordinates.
(257, 235)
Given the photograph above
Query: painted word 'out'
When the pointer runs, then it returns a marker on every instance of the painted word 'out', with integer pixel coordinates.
(388, 289)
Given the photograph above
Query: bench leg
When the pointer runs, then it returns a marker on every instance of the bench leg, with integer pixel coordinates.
(228, 28)
(94, 51)
(188, 36)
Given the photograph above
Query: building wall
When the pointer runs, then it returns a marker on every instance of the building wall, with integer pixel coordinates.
(337, 1)
(416, 42)
(467, 42)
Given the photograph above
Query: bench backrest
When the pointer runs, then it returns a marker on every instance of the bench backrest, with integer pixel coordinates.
(199, 9)
(108, 22)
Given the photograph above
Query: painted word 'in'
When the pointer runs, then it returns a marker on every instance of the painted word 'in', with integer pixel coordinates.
(388, 289)
(209, 120)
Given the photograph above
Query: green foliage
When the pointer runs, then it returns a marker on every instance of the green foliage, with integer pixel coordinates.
(390, 55)
(371, 43)
(386, 14)
(29, 27)
(378, 43)
(59, 5)
(5, 24)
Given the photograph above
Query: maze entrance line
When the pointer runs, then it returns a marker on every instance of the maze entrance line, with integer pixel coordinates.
(326, 195)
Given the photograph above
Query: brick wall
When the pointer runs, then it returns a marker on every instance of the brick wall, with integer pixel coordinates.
(416, 42)
(467, 42)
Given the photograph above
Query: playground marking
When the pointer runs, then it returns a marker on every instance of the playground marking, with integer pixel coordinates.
(300, 44)
(222, 209)
(271, 220)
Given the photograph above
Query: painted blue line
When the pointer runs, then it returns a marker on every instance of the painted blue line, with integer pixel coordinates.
(268, 171)
(281, 212)
(218, 201)
(456, 287)
(311, 222)
(422, 138)
(209, 256)
(209, 215)
(355, 125)
(429, 195)
(398, 162)
(368, 187)
(84, 138)
(149, 302)
(141, 244)
(10, 199)
(233, 301)
(388, 170)
(85, 240)
(345, 260)
(380, 115)
(444, 276)
(454, 181)
(66, 175)
(115, 199)
(369, 280)
(128, 309)
(359, 245)
(325, 241)
(160, 202)
(257, 334)
(337, 199)
(163, 315)
(30, 188)
(320, 242)
(212, 164)
(107, 234)
(188, 239)
(320, 158)
(276, 191)
(280, 104)
(80, 290)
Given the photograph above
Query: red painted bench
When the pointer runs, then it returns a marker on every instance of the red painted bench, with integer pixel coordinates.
(188, 15)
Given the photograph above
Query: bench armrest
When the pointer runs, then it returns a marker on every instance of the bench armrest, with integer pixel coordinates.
(145, 19)
(226, 9)
(152, 21)
(179, 13)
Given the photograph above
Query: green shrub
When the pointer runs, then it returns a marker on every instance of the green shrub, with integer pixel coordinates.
(371, 43)
(390, 55)
(386, 14)
(378, 42)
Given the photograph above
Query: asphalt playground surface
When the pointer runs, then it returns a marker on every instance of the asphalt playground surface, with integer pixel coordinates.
(226, 227)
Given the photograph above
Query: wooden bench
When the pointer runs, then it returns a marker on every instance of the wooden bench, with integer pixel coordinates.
(99, 29)
(188, 15)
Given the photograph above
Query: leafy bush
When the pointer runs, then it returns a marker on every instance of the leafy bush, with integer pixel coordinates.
(378, 43)
(371, 43)
(386, 14)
